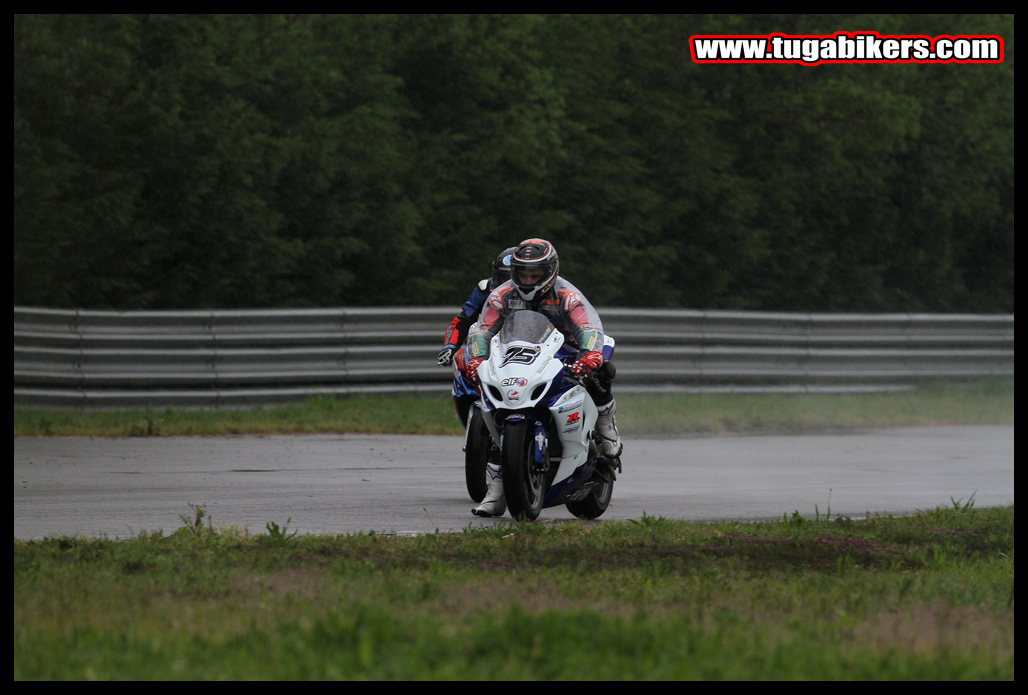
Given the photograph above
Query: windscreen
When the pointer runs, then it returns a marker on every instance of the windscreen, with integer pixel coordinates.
(525, 326)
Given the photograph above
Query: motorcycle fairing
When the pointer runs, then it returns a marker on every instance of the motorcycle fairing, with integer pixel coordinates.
(573, 415)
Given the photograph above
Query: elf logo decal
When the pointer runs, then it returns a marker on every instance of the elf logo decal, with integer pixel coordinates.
(514, 381)
(572, 418)
(520, 355)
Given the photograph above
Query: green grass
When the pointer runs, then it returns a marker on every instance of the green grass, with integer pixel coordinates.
(361, 414)
(986, 401)
(977, 402)
(923, 597)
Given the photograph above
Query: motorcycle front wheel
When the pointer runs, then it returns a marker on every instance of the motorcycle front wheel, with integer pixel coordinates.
(523, 488)
(476, 455)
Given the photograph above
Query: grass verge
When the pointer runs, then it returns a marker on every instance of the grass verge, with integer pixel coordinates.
(986, 401)
(923, 597)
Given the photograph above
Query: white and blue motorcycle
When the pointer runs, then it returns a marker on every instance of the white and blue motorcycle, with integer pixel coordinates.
(542, 419)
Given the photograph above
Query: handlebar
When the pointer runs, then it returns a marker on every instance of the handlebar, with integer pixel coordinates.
(573, 379)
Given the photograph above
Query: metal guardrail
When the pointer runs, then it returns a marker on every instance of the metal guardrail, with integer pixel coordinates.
(233, 358)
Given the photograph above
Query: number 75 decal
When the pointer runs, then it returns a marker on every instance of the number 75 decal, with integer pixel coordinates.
(520, 355)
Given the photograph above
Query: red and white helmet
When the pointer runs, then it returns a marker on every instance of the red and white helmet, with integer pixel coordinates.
(533, 255)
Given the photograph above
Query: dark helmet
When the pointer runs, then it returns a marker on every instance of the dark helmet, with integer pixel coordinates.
(532, 255)
(501, 267)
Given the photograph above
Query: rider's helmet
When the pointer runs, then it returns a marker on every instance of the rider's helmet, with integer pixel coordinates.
(530, 256)
(501, 267)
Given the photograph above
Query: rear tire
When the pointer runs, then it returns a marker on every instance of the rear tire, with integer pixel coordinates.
(523, 488)
(594, 504)
(476, 455)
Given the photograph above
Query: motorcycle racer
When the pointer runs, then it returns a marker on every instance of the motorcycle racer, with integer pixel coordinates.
(453, 352)
(535, 285)
(457, 331)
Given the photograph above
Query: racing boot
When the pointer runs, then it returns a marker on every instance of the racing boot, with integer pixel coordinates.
(494, 503)
(607, 429)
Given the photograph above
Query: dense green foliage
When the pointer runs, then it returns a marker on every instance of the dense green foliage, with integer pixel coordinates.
(927, 597)
(260, 161)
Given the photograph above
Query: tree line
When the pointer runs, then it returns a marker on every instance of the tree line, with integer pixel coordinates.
(303, 160)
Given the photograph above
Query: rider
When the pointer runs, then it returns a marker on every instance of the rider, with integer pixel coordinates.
(457, 331)
(536, 285)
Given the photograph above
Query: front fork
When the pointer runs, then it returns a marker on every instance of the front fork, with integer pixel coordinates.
(541, 450)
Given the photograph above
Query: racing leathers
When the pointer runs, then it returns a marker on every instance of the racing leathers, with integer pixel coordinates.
(457, 331)
(453, 352)
(569, 312)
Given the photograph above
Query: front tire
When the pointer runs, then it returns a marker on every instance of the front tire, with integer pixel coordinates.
(523, 488)
(476, 455)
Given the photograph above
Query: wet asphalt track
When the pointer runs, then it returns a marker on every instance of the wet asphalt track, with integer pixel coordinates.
(411, 484)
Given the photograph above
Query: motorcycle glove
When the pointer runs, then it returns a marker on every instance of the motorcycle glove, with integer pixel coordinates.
(473, 369)
(446, 356)
(586, 364)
